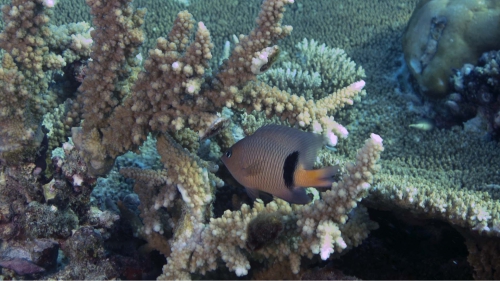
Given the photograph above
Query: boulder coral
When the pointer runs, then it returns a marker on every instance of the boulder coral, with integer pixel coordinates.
(444, 34)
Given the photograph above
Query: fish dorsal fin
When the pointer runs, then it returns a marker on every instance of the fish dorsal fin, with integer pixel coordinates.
(308, 146)
(306, 143)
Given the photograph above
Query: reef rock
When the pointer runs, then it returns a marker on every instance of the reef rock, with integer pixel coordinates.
(446, 34)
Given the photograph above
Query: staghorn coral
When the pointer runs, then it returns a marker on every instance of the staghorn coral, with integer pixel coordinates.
(303, 235)
(104, 87)
(179, 68)
(193, 243)
(34, 49)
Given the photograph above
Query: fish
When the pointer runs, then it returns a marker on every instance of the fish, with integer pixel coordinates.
(423, 125)
(219, 124)
(278, 160)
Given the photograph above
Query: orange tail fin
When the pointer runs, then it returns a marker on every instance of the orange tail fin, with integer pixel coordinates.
(316, 178)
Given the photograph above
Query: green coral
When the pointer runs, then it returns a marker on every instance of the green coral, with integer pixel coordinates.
(316, 71)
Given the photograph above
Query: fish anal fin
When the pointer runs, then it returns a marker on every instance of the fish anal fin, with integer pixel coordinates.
(316, 178)
(298, 195)
(253, 193)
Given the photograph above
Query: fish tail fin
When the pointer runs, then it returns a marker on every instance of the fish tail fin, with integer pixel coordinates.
(316, 178)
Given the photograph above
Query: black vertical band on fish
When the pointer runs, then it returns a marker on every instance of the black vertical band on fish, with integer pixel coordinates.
(289, 168)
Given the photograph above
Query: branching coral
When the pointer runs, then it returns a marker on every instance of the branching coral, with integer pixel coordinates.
(317, 71)
(173, 97)
(171, 94)
(33, 50)
(322, 227)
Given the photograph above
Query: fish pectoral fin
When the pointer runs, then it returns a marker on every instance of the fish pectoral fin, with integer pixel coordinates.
(317, 178)
(253, 169)
(253, 193)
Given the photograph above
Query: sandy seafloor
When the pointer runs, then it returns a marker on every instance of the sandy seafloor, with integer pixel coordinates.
(411, 242)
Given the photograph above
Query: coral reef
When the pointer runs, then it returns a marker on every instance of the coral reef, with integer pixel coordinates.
(483, 256)
(180, 107)
(476, 95)
(263, 229)
(33, 50)
(120, 105)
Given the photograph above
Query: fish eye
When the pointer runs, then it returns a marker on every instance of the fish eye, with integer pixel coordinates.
(229, 153)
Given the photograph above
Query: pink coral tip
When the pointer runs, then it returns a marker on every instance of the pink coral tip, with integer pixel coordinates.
(376, 138)
(358, 86)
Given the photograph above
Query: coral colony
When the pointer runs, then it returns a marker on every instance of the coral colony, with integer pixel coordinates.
(119, 103)
(112, 146)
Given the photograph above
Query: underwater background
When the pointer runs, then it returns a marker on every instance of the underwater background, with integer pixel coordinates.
(427, 209)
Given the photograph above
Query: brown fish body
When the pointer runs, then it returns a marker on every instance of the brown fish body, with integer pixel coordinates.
(278, 160)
